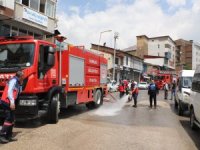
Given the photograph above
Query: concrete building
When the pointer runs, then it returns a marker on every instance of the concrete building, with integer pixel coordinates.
(133, 65)
(108, 53)
(28, 17)
(127, 66)
(187, 54)
(163, 47)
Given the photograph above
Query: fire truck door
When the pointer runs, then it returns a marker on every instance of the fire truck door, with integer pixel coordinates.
(43, 68)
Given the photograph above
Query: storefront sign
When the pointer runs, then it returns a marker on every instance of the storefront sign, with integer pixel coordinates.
(35, 17)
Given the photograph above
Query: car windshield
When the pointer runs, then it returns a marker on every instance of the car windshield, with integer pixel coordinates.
(16, 55)
(187, 82)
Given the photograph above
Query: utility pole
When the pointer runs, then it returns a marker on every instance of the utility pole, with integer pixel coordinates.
(116, 35)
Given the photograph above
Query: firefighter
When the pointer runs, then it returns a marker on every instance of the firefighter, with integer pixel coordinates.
(135, 92)
(152, 92)
(7, 102)
(121, 90)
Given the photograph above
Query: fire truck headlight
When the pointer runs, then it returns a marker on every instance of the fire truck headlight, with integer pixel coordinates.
(27, 102)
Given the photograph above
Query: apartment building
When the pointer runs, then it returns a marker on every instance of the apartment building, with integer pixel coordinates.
(108, 53)
(161, 48)
(126, 65)
(187, 54)
(28, 17)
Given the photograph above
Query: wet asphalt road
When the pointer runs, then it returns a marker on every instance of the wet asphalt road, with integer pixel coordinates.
(114, 126)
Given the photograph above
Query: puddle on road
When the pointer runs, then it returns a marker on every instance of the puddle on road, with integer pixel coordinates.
(111, 109)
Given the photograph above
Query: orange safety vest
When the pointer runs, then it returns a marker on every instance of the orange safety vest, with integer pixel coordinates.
(135, 90)
(5, 95)
(121, 88)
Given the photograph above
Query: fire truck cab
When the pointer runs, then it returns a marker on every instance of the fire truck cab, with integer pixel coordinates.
(53, 79)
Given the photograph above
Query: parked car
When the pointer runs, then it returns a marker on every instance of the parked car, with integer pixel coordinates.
(112, 86)
(194, 100)
(182, 100)
(143, 85)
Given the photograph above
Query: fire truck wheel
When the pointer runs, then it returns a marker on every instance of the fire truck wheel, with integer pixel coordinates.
(54, 108)
(98, 99)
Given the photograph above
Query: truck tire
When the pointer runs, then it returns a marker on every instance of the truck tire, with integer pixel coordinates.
(192, 119)
(98, 100)
(54, 108)
(180, 110)
(175, 104)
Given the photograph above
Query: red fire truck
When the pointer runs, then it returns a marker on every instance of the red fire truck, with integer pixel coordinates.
(53, 79)
(162, 77)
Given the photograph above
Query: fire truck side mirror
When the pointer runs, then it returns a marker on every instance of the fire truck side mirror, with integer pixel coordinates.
(51, 50)
(51, 59)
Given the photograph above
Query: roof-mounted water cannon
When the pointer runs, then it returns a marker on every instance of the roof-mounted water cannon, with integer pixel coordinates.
(60, 38)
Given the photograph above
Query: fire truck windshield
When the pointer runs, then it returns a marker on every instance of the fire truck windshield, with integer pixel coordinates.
(16, 55)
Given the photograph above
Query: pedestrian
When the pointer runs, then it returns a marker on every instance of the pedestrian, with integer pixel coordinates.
(121, 90)
(135, 92)
(8, 103)
(173, 90)
(166, 89)
(152, 92)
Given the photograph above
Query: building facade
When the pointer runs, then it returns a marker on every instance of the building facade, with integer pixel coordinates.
(28, 17)
(163, 47)
(195, 55)
(187, 54)
(126, 65)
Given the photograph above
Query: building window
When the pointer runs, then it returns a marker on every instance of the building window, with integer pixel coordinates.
(50, 8)
(5, 30)
(167, 46)
(34, 4)
(42, 6)
(126, 60)
(14, 31)
(30, 33)
(25, 2)
(117, 61)
(19, 1)
(22, 32)
(38, 36)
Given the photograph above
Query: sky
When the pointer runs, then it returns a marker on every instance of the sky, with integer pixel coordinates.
(83, 21)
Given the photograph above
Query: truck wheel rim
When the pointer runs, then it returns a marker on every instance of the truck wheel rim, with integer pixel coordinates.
(98, 98)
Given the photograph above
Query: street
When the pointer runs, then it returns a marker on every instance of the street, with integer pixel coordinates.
(114, 126)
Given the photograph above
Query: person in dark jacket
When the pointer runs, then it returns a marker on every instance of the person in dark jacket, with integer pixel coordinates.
(8, 102)
(152, 92)
(173, 90)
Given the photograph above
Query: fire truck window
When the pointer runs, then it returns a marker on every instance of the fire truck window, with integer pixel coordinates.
(42, 61)
(20, 55)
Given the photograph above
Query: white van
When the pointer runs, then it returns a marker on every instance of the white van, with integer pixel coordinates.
(184, 85)
(195, 100)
